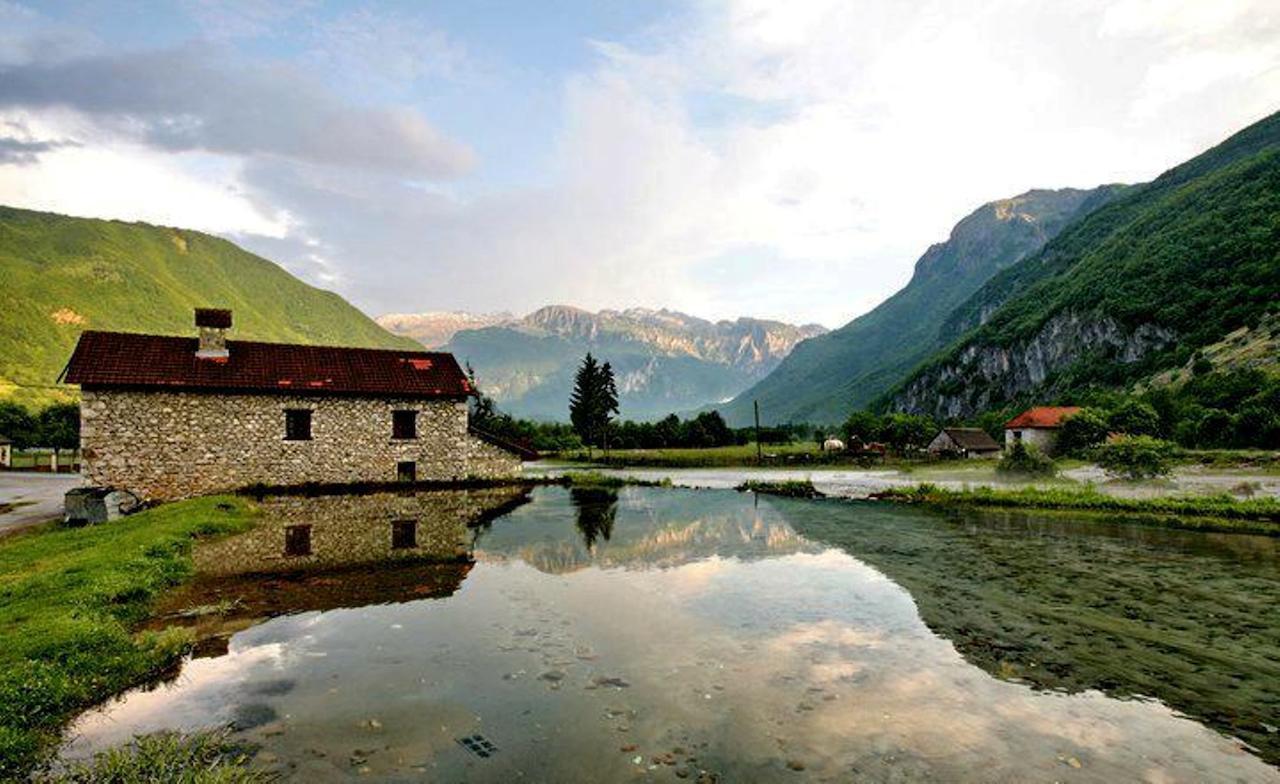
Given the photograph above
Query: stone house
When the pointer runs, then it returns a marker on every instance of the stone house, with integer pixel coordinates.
(973, 442)
(1037, 427)
(172, 417)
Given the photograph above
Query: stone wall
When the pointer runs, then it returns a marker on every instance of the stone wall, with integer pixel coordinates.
(166, 445)
(1043, 439)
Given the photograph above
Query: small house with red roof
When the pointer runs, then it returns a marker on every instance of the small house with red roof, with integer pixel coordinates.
(1037, 427)
(173, 417)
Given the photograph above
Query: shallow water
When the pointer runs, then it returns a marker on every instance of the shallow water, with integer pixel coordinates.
(670, 634)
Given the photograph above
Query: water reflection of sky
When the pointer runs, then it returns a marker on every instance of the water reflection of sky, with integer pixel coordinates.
(701, 635)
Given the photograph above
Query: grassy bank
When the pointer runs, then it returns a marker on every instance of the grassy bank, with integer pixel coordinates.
(70, 600)
(1208, 513)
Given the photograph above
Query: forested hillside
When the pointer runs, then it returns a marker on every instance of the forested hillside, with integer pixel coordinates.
(827, 376)
(60, 275)
(1133, 288)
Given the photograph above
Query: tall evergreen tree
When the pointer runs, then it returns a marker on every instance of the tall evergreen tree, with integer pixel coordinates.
(584, 402)
(607, 403)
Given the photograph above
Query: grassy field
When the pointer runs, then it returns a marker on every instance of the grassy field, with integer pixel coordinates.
(70, 600)
(1207, 513)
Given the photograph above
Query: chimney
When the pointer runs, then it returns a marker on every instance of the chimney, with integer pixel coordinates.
(213, 325)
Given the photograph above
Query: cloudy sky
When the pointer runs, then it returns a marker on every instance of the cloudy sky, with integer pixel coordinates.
(747, 157)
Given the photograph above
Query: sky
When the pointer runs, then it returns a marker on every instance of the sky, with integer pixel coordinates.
(736, 158)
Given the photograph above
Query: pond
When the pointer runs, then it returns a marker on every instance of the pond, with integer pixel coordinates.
(659, 634)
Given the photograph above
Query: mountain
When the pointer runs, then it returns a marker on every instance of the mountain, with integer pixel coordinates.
(826, 377)
(60, 275)
(1136, 287)
(664, 361)
(433, 329)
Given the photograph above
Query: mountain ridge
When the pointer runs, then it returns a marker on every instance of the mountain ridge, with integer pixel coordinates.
(1133, 288)
(665, 360)
(824, 378)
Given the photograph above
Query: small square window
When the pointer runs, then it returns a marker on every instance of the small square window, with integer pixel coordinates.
(404, 534)
(406, 471)
(297, 424)
(404, 424)
(297, 540)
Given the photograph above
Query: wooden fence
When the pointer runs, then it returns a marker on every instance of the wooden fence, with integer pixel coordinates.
(42, 460)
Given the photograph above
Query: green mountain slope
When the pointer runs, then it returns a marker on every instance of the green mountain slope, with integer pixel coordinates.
(826, 377)
(60, 275)
(1132, 288)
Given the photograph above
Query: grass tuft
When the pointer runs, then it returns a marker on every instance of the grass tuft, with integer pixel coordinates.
(791, 488)
(209, 757)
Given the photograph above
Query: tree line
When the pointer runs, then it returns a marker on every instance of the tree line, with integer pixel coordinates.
(1211, 409)
(55, 427)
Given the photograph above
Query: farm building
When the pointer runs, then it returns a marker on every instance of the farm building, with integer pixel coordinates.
(1037, 427)
(965, 442)
(172, 417)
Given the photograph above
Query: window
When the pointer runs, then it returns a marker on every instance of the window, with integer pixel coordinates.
(1017, 436)
(406, 471)
(404, 534)
(297, 424)
(404, 424)
(297, 540)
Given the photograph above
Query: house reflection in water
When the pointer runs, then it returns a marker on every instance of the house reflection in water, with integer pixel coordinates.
(299, 533)
(323, 553)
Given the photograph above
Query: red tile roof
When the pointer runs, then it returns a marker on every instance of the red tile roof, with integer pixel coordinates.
(1041, 416)
(120, 359)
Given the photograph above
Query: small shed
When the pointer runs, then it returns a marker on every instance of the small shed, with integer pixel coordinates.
(965, 442)
(1038, 427)
(6, 452)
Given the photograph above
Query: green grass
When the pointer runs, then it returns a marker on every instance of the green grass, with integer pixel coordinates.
(62, 275)
(597, 479)
(793, 488)
(70, 600)
(1208, 513)
(168, 757)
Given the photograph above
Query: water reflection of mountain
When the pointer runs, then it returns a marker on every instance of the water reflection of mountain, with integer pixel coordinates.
(567, 530)
(1190, 619)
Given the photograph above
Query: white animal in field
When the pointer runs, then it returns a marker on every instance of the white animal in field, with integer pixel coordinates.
(833, 445)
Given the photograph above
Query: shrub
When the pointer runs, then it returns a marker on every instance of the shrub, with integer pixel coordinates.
(1022, 461)
(1082, 431)
(1136, 457)
(1134, 418)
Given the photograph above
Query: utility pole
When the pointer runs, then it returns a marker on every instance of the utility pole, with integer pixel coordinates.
(759, 456)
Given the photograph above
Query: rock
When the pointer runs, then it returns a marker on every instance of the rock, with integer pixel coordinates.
(554, 676)
(795, 765)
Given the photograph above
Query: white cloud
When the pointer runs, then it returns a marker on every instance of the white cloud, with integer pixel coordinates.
(782, 160)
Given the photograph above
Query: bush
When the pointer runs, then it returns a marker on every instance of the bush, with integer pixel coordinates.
(1081, 432)
(1134, 418)
(1022, 461)
(1136, 457)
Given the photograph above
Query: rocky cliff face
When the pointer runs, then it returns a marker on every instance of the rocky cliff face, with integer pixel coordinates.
(982, 376)
(755, 345)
